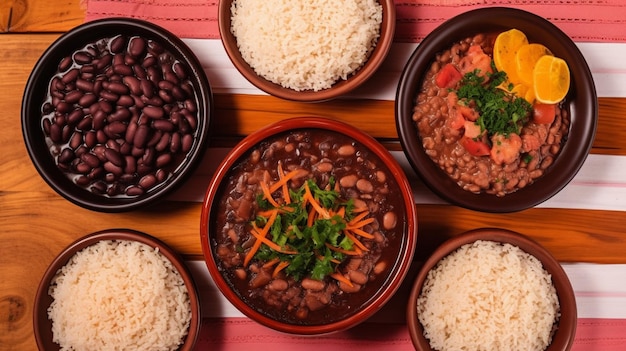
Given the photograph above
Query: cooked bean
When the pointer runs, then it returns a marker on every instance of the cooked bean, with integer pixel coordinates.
(312, 284)
(390, 220)
(364, 186)
(346, 150)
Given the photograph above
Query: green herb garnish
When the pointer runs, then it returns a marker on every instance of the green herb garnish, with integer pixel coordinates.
(501, 112)
(306, 232)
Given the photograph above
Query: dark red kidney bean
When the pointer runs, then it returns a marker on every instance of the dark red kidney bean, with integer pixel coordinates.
(179, 70)
(63, 107)
(187, 142)
(170, 77)
(147, 181)
(130, 132)
(103, 61)
(123, 70)
(59, 119)
(118, 59)
(154, 101)
(109, 96)
(163, 160)
(130, 164)
(154, 74)
(156, 136)
(141, 136)
(137, 46)
(82, 58)
(70, 76)
(113, 168)
(139, 71)
(115, 189)
(99, 120)
(161, 175)
(87, 71)
(126, 101)
(46, 126)
(82, 180)
(165, 96)
(148, 157)
(90, 159)
(183, 126)
(118, 44)
(175, 142)
(84, 85)
(85, 123)
(73, 96)
(76, 140)
(82, 168)
(134, 191)
(91, 139)
(163, 143)
(153, 112)
(163, 125)
(126, 148)
(65, 63)
(133, 84)
(191, 119)
(121, 114)
(165, 85)
(87, 100)
(114, 157)
(96, 173)
(66, 156)
(178, 93)
(149, 62)
(190, 105)
(99, 187)
(130, 60)
(66, 133)
(98, 150)
(155, 48)
(117, 127)
(105, 106)
(148, 88)
(117, 88)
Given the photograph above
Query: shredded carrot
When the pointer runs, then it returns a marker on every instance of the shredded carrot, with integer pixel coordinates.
(355, 252)
(356, 241)
(285, 189)
(267, 194)
(257, 243)
(307, 194)
(279, 267)
(362, 233)
(359, 217)
(270, 243)
(271, 262)
(267, 213)
(296, 173)
(342, 278)
(311, 218)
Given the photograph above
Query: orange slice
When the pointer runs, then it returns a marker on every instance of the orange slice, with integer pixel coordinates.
(551, 79)
(525, 60)
(504, 51)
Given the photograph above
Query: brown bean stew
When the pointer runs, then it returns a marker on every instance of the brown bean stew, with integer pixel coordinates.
(322, 243)
(482, 162)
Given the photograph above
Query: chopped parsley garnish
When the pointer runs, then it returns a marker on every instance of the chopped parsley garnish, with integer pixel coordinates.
(501, 112)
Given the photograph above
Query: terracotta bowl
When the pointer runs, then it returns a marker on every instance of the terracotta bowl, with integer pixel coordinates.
(43, 325)
(78, 124)
(580, 102)
(562, 339)
(340, 88)
(398, 252)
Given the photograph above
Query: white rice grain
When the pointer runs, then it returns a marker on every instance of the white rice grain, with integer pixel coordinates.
(488, 296)
(119, 295)
(306, 45)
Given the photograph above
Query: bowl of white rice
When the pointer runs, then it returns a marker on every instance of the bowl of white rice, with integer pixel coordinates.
(117, 289)
(492, 289)
(307, 51)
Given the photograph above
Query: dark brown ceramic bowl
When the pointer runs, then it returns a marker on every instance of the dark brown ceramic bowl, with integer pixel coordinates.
(37, 92)
(581, 102)
(563, 338)
(43, 325)
(341, 87)
(403, 244)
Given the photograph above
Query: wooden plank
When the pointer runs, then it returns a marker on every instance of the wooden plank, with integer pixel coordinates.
(22, 16)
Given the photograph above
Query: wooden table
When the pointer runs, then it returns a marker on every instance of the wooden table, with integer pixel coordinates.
(36, 223)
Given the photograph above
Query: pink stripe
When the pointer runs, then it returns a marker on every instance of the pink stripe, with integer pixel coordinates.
(235, 334)
(582, 20)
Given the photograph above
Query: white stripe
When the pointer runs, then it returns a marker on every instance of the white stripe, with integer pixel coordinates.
(605, 61)
(600, 290)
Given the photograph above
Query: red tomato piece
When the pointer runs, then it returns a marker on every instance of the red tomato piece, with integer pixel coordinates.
(475, 147)
(448, 76)
(544, 113)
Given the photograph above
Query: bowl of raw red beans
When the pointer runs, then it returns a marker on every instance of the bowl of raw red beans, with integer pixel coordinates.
(115, 114)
